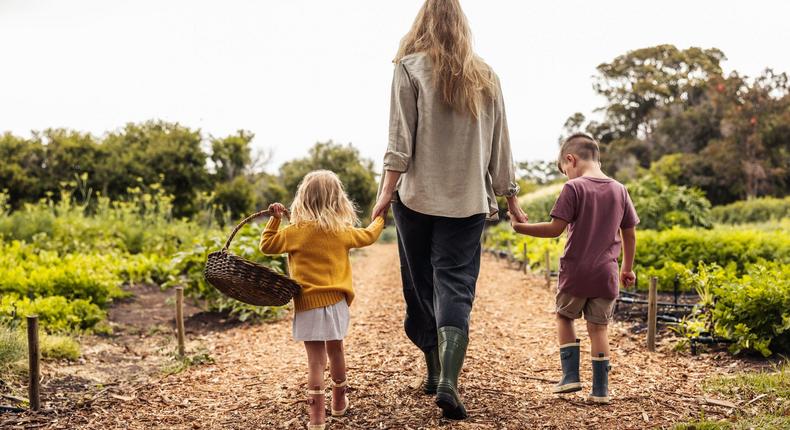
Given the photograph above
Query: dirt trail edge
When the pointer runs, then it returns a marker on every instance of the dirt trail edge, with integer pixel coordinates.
(258, 378)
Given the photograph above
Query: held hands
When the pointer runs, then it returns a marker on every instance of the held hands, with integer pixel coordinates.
(515, 211)
(278, 210)
(513, 222)
(627, 278)
(382, 207)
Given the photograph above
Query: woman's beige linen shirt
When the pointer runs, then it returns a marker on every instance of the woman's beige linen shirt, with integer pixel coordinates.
(453, 164)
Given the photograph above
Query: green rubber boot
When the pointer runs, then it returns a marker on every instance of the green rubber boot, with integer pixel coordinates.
(452, 350)
(600, 388)
(434, 370)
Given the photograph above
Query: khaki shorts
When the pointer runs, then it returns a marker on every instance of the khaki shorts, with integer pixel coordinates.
(596, 310)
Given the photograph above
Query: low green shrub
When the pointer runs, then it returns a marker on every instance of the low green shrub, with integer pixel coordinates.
(31, 272)
(59, 347)
(56, 314)
(668, 254)
(661, 205)
(752, 310)
(754, 210)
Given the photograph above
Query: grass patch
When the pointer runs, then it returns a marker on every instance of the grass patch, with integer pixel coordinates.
(12, 346)
(59, 347)
(179, 364)
(13, 351)
(763, 399)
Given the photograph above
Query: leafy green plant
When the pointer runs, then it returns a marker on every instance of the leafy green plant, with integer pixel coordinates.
(753, 310)
(661, 205)
(56, 313)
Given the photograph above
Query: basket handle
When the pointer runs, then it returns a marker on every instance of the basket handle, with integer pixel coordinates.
(264, 212)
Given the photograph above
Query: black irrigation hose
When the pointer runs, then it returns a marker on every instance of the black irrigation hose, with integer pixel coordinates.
(707, 340)
(10, 409)
(634, 301)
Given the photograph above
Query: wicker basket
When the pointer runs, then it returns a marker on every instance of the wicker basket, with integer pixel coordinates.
(245, 280)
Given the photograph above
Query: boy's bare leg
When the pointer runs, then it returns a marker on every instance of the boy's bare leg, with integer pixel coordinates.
(316, 362)
(565, 331)
(337, 369)
(599, 339)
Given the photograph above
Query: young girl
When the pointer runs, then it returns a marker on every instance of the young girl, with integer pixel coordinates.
(317, 242)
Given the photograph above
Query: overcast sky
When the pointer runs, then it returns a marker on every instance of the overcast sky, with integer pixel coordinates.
(295, 72)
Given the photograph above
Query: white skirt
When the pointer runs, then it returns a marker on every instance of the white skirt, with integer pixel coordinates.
(327, 323)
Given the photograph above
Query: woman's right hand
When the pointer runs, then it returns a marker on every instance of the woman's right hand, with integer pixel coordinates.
(277, 210)
(382, 206)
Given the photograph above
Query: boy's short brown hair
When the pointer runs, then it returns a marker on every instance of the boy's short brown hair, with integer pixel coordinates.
(581, 145)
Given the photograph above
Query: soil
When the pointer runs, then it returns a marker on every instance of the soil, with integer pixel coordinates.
(258, 375)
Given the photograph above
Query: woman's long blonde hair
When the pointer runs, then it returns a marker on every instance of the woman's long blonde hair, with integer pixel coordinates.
(320, 198)
(442, 31)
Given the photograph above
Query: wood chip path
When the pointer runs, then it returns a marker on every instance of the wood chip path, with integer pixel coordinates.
(258, 378)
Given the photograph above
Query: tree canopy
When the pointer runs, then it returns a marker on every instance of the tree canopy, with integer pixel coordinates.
(727, 135)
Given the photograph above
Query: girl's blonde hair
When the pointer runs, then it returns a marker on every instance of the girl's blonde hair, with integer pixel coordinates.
(320, 198)
(442, 32)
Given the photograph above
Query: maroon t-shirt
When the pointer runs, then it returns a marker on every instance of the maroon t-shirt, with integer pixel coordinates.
(595, 209)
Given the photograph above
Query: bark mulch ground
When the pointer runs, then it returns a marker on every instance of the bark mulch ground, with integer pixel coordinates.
(258, 376)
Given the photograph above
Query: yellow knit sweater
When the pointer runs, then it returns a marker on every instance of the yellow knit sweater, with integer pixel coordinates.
(318, 260)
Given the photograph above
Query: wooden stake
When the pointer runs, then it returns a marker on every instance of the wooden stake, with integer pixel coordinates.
(651, 315)
(34, 389)
(180, 319)
(548, 269)
(526, 260)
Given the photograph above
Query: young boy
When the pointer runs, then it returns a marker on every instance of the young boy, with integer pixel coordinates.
(600, 218)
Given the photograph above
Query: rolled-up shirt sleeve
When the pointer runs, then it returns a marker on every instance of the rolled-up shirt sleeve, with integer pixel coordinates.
(501, 167)
(403, 121)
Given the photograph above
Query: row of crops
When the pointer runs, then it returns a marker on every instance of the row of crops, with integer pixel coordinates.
(741, 274)
(68, 262)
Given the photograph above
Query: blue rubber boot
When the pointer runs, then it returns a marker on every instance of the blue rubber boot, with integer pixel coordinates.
(569, 359)
(600, 388)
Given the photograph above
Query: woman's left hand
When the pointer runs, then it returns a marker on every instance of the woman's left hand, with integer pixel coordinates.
(515, 210)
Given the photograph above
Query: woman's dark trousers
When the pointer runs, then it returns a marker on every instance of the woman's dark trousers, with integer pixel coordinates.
(440, 261)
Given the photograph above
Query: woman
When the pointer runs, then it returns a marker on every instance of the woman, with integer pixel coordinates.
(448, 157)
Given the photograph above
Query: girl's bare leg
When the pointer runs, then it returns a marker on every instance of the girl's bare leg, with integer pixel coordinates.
(316, 363)
(337, 369)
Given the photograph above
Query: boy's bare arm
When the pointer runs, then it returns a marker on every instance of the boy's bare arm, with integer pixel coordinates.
(627, 276)
(540, 229)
